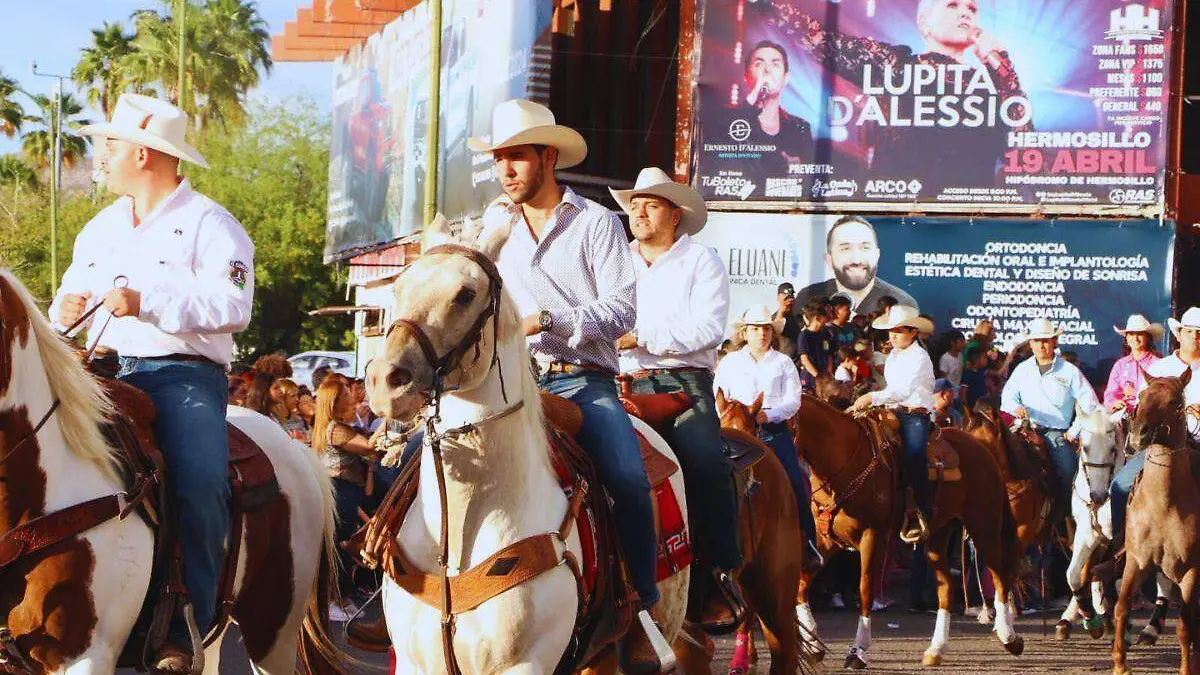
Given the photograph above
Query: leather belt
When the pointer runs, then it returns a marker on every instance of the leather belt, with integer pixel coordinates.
(562, 367)
(913, 411)
(651, 372)
(194, 358)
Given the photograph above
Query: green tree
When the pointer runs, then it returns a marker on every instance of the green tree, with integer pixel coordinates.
(11, 112)
(15, 172)
(100, 67)
(38, 145)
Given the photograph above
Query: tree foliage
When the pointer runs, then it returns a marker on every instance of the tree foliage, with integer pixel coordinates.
(12, 115)
(101, 67)
(38, 145)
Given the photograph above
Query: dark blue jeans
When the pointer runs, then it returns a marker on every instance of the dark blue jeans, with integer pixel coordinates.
(914, 435)
(191, 398)
(778, 437)
(695, 436)
(347, 497)
(1064, 461)
(1118, 490)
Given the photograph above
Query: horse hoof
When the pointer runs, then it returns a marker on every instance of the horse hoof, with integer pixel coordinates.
(1148, 639)
(932, 660)
(1015, 646)
(1094, 627)
(855, 662)
(1062, 631)
(1121, 670)
(815, 657)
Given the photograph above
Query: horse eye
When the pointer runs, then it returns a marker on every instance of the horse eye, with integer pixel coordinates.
(465, 297)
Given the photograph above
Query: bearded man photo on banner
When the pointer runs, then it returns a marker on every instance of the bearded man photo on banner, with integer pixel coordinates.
(852, 252)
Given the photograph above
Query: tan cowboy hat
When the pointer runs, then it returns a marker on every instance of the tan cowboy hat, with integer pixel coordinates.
(1190, 319)
(520, 122)
(759, 315)
(1136, 323)
(1041, 329)
(150, 122)
(903, 315)
(654, 181)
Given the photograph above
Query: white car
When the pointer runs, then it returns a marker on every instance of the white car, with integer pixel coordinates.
(305, 363)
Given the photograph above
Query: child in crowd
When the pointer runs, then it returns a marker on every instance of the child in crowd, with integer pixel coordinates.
(974, 375)
(814, 348)
(847, 370)
(950, 365)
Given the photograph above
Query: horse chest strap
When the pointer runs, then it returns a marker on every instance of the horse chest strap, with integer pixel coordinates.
(502, 571)
(52, 528)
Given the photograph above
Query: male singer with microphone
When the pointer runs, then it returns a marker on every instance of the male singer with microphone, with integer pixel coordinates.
(766, 76)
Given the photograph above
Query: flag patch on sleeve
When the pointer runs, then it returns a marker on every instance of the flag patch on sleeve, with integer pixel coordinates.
(238, 273)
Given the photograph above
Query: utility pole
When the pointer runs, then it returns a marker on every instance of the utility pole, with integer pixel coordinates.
(55, 173)
(181, 14)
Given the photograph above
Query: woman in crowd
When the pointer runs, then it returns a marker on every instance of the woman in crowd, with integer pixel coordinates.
(284, 398)
(1128, 375)
(306, 408)
(258, 395)
(273, 365)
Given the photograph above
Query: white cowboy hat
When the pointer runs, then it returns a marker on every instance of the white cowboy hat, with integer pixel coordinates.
(1136, 323)
(520, 122)
(759, 315)
(654, 181)
(1190, 319)
(151, 122)
(903, 315)
(1041, 329)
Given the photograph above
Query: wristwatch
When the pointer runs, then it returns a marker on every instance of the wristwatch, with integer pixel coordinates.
(544, 320)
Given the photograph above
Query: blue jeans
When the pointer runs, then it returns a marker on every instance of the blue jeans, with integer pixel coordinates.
(191, 398)
(1118, 491)
(778, 437)
(914, 435)
(347, 497)
(1064, 462)
(695, 437)
(608, 436)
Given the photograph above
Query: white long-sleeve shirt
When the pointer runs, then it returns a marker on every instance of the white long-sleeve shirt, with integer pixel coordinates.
(682, 307)
(190, 260)
(742, 378)
(908, 374)
(1173, 366)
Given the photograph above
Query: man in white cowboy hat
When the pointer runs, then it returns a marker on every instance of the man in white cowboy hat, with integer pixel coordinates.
(567, 265)
(1046, 390)
(175, 274)
(1187, 331)
(908, 390)
(683, 304)
(1128, 375)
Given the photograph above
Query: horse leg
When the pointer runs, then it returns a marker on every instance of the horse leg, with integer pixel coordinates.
(936, 553)
(1130, 581)
(991, 551)
(1185, 628)
(871, 555)
(693, 649)
(810, 643)
(777, 614)
(1081, 549)
(1154, 625)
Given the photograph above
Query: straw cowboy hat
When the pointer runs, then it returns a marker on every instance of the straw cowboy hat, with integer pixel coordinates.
(1041, 329)
(150, 122)
(1190, 319)
(654, 181)
(903, 315)
(759, 315)
(520, 122)
(1136, 323)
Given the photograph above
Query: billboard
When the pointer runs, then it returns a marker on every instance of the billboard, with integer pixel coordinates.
(488, 51)
(380, 122)
(1085, 275)
(1014, 105)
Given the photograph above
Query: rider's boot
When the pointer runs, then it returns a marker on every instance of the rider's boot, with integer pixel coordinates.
(725, 608)
(915, 529)
(644, 650)
(369, 636)
(173, 658)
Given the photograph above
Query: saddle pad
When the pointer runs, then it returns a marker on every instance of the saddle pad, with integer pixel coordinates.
(249, 464)
(674, 543)
(656, 409)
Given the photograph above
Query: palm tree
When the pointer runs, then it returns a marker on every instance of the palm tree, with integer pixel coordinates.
(14, 171)
(38, 145)
(99, 68)
(11, 112)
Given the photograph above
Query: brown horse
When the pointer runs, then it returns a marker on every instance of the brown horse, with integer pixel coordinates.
(860, 506)
(1161, 525)
(772, 546)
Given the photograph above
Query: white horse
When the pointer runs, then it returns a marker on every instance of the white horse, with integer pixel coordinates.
(1102, 455)
(500, 486)
(70, 607)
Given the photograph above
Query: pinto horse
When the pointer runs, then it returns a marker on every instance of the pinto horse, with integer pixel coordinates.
(70, 606)
(860, 490)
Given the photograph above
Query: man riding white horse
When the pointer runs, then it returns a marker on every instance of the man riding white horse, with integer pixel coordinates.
(568, 268)
(175, 274)
(683, 303)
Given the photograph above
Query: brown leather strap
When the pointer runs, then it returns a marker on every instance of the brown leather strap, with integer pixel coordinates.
(52, 528)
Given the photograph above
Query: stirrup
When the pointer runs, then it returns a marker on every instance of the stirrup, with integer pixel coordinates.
(917, 534)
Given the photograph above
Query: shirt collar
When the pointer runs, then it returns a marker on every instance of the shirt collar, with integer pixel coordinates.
(184, 188)
(677, 249)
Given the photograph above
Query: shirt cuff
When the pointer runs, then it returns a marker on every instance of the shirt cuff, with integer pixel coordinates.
(562, 323)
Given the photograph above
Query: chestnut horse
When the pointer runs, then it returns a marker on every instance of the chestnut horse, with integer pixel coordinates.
(1161, 522)
(859, 486)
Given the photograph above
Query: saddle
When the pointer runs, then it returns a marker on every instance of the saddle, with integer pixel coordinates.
(942, 459)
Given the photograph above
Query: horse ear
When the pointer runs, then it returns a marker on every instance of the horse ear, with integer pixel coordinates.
(722, 404)
(471, 229)
(1185, 377)
(1151, 378)
(758, 403)
(436, 233)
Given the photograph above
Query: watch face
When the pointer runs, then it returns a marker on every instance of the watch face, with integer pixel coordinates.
(544, 319)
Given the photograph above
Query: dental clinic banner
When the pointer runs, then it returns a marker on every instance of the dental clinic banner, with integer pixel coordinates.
(1085, 275)
(1017, 105)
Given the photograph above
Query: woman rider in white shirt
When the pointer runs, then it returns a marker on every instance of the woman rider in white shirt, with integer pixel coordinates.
(758, 368)
(908, 373)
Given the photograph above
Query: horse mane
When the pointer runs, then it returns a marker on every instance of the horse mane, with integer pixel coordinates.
(83, 405)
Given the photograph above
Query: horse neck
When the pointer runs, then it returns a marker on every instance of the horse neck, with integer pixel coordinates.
(500, 486)
(827, 436)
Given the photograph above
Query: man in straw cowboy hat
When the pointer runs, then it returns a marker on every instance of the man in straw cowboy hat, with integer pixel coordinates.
(1128, 375)
(568, 268)
(683, 304)
(1046, 390)
(908, 390)
(1187, 331)
(186, 283)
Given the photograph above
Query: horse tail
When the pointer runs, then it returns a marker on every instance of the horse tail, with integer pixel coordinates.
(319, 654)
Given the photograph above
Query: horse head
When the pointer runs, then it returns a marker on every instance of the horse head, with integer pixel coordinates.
(984, 424)
(1099, 453)
(737, 415)
(834, 392)
(453, 321)
(1160, 413)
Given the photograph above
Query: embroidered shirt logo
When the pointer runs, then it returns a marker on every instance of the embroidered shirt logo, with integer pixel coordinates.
(239, 274)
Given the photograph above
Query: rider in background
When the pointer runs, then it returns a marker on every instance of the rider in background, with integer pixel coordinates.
(758, 369)
(186, 269)
(1128, 375)
(908, 373)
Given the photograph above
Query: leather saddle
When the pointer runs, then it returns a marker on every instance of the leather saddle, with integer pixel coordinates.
(941, 457)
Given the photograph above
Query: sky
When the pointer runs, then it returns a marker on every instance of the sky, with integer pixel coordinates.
(53, 31)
